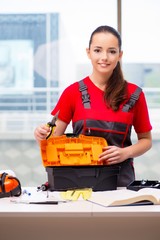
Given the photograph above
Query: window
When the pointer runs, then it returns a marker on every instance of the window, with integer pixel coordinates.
(50, 54)
(141, 58)
(28, 49)
(141, 37)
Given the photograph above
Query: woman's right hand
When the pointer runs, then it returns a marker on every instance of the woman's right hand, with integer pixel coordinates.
(41, 132)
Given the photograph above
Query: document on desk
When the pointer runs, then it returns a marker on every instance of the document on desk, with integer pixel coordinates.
(125, 197)
(49, 198)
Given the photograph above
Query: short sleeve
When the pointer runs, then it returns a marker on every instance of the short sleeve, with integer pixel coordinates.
(65, 105)
(141, 120)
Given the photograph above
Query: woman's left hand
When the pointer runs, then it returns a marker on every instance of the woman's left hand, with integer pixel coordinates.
(113, 155)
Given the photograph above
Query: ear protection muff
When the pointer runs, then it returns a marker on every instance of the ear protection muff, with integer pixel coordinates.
(9, 186)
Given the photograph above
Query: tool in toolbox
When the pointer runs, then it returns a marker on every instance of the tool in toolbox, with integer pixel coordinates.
(139, 184)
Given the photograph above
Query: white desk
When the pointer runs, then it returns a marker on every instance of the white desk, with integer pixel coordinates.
(77, 220)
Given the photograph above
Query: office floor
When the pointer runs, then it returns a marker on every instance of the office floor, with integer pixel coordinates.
(23, 157)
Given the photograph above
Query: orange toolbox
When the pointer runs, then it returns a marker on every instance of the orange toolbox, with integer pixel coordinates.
(70, 150)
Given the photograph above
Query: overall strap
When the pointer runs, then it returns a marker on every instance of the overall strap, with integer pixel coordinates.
(85, 96)
(134, 97)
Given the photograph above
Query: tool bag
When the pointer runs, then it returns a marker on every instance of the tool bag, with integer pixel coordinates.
(9, 186)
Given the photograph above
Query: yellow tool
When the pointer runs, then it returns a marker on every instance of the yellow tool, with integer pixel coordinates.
(52, 125)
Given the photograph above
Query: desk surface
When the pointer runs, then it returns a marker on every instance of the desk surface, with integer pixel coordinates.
(79, 217)
(9, 207)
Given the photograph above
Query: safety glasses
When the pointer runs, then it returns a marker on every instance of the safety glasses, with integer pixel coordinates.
(74, 195)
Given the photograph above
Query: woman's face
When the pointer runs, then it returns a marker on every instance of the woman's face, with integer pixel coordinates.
(104, 53)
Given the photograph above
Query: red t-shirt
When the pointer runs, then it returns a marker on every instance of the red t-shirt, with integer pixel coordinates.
(70, 106)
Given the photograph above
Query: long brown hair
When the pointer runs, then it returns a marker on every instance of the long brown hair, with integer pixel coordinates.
(116, 89)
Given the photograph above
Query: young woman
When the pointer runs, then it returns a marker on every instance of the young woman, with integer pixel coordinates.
(104, 104)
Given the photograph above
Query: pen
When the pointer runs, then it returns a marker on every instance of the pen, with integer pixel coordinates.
(45, 202)
(48, 202)
(37, 202)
